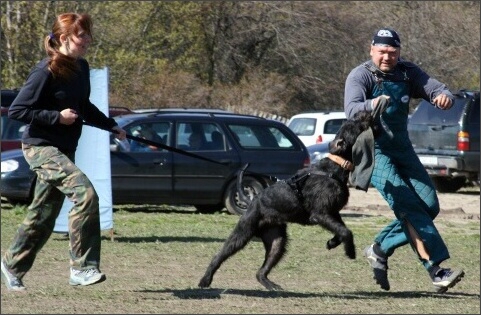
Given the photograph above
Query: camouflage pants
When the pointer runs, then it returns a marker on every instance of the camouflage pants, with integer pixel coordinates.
(57, 177)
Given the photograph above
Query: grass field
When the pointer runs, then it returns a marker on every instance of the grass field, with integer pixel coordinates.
(159, 254)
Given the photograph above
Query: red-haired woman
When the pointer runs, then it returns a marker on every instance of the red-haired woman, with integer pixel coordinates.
(54, 103)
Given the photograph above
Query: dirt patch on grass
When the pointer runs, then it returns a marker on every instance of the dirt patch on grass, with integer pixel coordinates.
(463, 205)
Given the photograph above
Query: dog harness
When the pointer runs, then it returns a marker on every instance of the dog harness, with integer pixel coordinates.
(297, 182)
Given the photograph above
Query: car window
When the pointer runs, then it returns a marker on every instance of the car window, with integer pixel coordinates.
(474, 117)
(158, 132)
(428, 113)
(196, 136)
(332, 126)
(8, 96)
(303, 126)
(11, 129)
(261, 137)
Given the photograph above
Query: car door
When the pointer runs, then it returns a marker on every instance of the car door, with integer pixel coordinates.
(146, 173)
(198, 181)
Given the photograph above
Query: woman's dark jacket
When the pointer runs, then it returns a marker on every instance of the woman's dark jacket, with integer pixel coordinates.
(43, 97)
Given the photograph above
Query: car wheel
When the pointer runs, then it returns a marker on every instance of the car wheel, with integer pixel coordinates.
(232, 202)
(447, 184)
(208, 209)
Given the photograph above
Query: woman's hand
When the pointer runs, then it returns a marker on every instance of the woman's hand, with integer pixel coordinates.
(68, 116)
(120, 134)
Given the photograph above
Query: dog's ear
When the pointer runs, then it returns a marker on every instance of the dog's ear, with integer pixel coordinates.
(336, 145)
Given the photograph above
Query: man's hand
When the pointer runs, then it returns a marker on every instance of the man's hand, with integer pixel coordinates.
(68, 116)
(442, 101)
(376, 100)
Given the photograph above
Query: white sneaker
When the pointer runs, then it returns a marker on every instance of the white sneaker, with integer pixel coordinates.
(379, 266)
(13, 283)
(85, 276)
(445, 278)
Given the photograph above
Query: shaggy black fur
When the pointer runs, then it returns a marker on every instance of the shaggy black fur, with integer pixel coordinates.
(322, 193)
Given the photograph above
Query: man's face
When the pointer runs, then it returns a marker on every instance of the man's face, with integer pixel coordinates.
(385, 57)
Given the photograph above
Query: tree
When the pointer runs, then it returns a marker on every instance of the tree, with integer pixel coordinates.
(24, 26)
(278, 56)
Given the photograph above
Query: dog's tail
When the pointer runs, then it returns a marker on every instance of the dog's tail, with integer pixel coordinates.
(240, 188)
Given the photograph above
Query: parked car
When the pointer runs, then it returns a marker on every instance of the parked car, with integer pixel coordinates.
(160, 176)
(318, 151)
(316, 127)
(12, 130)
(447, 141)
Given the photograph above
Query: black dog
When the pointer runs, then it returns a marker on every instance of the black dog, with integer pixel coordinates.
(315, 195)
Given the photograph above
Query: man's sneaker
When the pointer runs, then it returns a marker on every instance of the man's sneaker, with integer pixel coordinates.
(379, 267)
(86, 276)
(445, 278)
(13, 283)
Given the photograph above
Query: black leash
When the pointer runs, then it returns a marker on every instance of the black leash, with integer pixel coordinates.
(160, 145)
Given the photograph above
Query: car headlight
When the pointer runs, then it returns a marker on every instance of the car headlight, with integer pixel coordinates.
(9, 166)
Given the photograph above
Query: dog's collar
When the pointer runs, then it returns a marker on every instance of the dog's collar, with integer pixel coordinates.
(345, 164)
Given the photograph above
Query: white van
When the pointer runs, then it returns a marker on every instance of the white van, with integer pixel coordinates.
(316, 127)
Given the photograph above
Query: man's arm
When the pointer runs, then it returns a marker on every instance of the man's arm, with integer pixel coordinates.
(356, 92)
(430, 89)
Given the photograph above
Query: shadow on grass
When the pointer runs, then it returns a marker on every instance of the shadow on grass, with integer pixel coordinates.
(358, 215)
(164, 239)
(356, 295)
(154, 209)
(62, 236)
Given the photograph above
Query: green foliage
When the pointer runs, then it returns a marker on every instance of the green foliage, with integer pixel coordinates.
(214, 49)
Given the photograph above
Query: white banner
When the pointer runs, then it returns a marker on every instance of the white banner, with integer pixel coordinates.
(93, 156)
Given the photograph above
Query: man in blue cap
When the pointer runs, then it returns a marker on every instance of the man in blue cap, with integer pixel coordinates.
(387, 80)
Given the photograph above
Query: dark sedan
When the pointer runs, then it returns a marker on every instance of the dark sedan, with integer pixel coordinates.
(146, 174)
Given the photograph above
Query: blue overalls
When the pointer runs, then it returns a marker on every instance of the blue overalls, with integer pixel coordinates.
(402, 180)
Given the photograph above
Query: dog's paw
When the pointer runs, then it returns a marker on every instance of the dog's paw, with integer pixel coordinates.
(351, 254)
(332, 243)
(268, 284)
(328, 245)
(204, 283)
(271, 286)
